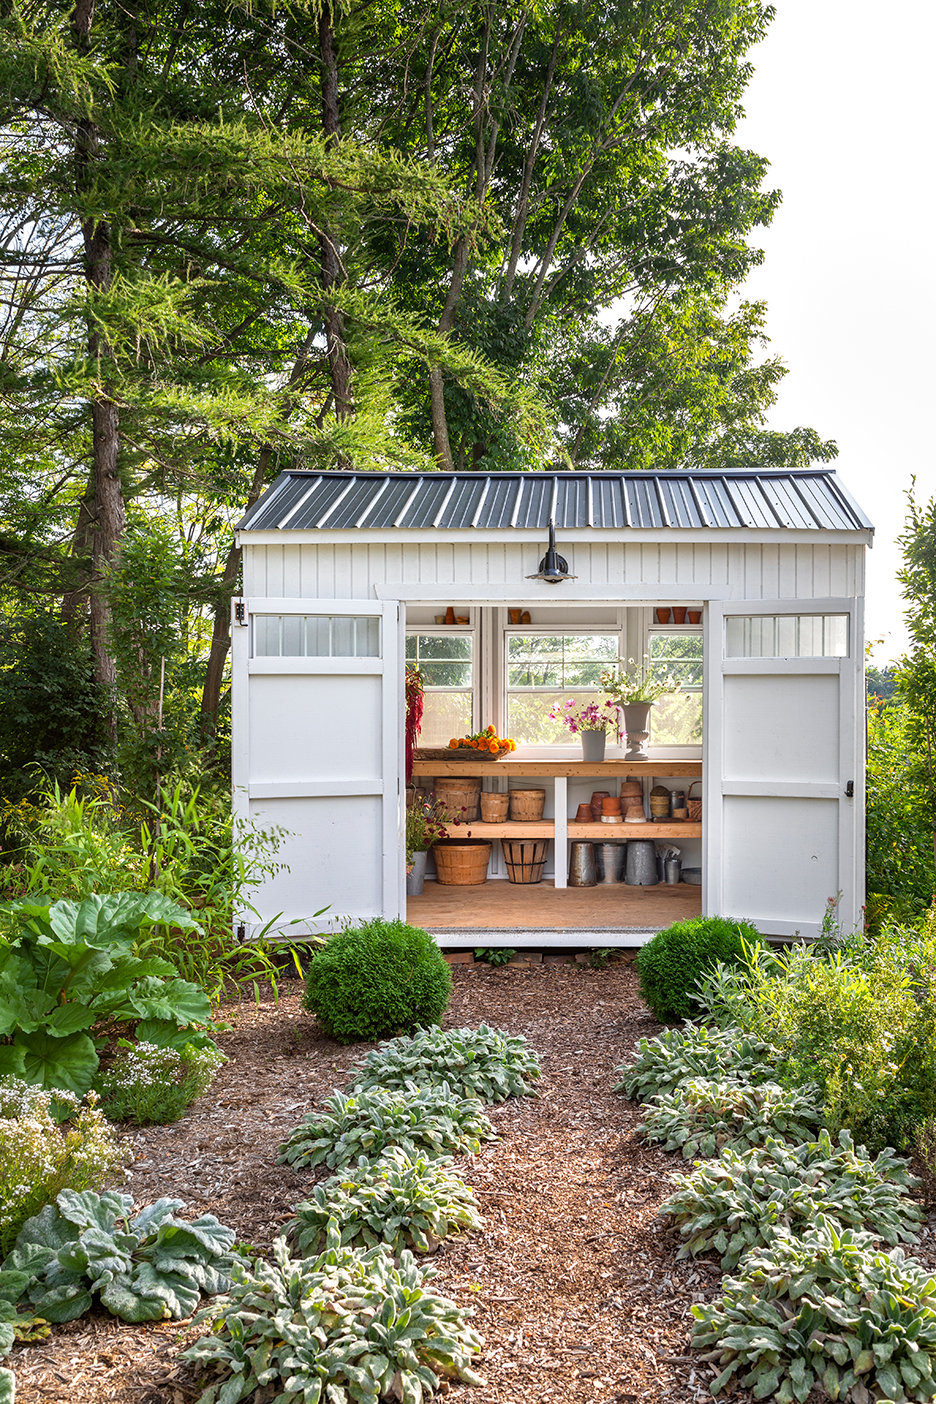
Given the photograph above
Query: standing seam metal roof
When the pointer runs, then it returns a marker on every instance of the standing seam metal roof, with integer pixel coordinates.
(797, 499)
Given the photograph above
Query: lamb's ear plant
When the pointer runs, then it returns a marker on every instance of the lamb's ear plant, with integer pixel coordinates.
(483, 1062)
(140, 1268)
(15, 1326)
(695, 1050)
(703, 1117)
(399, 1201)
(422, 1121)
(347, 1327)
(827, 1310)
(741, 1200)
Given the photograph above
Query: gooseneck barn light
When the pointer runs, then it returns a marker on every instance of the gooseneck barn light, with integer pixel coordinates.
(553, 568)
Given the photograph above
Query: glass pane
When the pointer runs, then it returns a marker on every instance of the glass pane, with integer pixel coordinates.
(442, 646)
(445, 716)
(521, 646)
(664, 646)
(293, 636)
(786, 636)
(584, 674)
(836, 636)
(676, 720)
(318, 636)
(342, 638)
(367, 636)
(688, 673)
(446, 674)
(411, 648)
(534, 675)
(529, 722)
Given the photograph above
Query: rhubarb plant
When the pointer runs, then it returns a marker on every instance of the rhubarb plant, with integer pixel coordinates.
(703, 1117)
(483, 1062)
(695, 1050)
(740, 1200)
(422, 1121)
(399, 1201)
(827, 1310)
(143, 1268)
(347, 1327)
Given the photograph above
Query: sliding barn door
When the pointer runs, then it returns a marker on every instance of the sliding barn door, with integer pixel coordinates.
(317, 744)
(784, 762)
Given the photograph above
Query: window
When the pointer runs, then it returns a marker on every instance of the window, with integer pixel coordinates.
(786, 636)
(316, 636)
(446, 662)
(544, 669)
(676, 718)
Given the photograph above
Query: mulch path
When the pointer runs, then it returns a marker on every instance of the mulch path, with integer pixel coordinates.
(573, 1281)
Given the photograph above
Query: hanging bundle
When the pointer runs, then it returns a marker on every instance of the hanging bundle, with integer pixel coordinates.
(414, 712)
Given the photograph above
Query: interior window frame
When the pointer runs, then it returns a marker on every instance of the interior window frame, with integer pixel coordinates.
(674, 749)
(452, 631)
(572, 746)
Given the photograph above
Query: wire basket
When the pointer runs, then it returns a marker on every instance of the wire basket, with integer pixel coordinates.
(694, 806)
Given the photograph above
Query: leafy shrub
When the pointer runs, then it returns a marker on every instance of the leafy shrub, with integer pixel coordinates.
(826, 1310)
(900, 820)
(70, 966)
(15, 1326)
(739, 1201)
(399, 1201)
(420, 1120)
(695, 1050)
(149, 1085)
(484, 1063)
(141, 1269)
(703, 1117)
(39, 1158)
(349, 1326)
(377, 979)
(670, 964)
(860, 1022)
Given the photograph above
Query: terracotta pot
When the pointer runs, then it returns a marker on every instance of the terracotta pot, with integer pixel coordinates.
(663, 616)
(611, 805)
(679, 615)
(515, 615)
(597, 797)
(695, 616)
(583, 814)
(631, 787)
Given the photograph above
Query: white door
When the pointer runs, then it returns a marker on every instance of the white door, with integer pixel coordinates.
(317, 720)
(784, 762)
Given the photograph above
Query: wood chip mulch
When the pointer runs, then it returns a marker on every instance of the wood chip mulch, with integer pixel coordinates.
(573, 1281)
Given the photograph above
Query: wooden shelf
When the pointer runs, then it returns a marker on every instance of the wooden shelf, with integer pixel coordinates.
(603, 833)
(598, 770)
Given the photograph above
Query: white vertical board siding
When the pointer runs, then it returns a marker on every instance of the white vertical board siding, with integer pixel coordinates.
(768, 571)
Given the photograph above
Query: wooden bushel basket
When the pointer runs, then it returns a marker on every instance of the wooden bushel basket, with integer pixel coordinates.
(462, 862)
(694, 806)
(527, 805)
(525, 859)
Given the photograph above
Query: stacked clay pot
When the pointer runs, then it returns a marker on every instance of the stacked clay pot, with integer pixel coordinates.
(597, 797)
(611, 810)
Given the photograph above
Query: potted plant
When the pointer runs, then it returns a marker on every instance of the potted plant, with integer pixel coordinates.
(425, 825)
(634, 687)
(591, 721)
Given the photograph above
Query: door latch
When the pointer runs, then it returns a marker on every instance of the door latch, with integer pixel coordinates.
(850, 790)
(240, 612)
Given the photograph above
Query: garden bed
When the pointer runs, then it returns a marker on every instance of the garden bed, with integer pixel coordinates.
(575, 1287)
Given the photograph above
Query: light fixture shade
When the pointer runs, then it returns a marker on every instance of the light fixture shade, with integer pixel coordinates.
(553, 568)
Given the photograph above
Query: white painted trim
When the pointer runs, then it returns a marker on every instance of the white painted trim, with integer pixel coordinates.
(392, 750)
(270, 604)
(783, 789)
(561, 830)
(312, 789)
(337, 667)
(533, 593)
(438, 536)
(736, 667)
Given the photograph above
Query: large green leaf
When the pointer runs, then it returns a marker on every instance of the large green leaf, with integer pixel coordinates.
(103, 920)
(22, 1004)
(69, 1063)
(124, 1298)
(170, 999)
(69, 1019)
(7, 1386)
(165, 1033)
(11, 1060)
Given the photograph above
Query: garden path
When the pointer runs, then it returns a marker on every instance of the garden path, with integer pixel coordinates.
(575, 1287)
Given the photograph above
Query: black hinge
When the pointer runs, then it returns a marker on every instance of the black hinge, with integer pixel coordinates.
(240, 612)
(850, 790)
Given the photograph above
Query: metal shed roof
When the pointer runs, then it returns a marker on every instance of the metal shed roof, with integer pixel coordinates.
(768, 499)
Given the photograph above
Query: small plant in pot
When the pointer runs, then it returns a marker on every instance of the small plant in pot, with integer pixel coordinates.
(591, 721)
(634, 687)
(425, 825)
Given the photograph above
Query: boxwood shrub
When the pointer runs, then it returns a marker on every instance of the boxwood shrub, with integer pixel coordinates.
(377, 979)
(670, 964)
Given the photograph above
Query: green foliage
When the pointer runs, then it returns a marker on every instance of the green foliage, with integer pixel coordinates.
(379, 978)
(69, 966)
(39, 1157)
(396, 1200)
(704, 1117)
(483, 1062)
(899, 822)
(826, 1310)
(349, 1327)
(420, 1120)
(670, 964)
(859, 1021)
(150, 1085)
(695, 1050)
(494, 955)
(15, 1326)
(143, 1268)
(740, 1200)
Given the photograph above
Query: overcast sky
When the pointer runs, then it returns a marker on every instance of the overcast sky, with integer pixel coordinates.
(841, 104)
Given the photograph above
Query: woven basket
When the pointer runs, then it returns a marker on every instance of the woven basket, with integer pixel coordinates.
(462, 862)
(527, 804)
(458, 797)
(694, 806)
(494, 807)
(525, 859)
(457, 753)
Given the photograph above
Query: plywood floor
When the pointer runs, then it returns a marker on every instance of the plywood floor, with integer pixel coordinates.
(498, 904)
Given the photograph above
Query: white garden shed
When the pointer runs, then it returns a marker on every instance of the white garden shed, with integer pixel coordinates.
(748, 583)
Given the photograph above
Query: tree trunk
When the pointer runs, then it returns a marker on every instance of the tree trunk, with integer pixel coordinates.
(336, 341)
(109, 515)
(76, 600)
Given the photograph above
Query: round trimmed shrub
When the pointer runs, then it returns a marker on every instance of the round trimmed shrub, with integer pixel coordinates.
(381, 978)
(670, 964)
